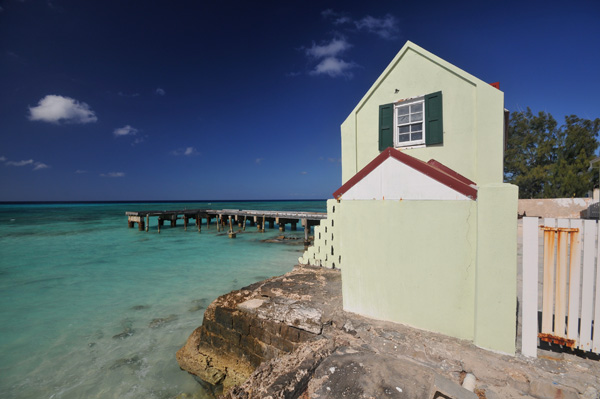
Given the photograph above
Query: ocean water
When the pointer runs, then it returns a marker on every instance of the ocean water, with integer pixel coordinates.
(92, 309)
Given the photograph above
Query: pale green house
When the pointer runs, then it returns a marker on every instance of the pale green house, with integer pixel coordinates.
(423, 227)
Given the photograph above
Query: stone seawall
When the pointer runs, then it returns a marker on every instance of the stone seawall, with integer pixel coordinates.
(289, 338)
(260, 322)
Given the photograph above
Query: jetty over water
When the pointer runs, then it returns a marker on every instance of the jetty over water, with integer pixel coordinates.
(231, 217)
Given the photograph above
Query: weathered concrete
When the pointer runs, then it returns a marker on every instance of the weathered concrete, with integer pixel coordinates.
(554, 207)
(263, 345)
(263, 321)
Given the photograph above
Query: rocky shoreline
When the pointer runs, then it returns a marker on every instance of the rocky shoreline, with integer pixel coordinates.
(288, 337)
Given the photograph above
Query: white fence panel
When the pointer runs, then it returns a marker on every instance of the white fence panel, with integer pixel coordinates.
(530, 287)
(571, 284)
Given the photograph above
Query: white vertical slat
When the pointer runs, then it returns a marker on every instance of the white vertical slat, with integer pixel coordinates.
(587, 290)
(560, 307)
(596, 341)
(574, 279)
(548, 294)
(530, 287)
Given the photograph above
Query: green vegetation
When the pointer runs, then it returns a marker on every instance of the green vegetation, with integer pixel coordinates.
(547, 161)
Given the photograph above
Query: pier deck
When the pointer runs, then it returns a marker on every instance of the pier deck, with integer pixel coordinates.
(240, 217)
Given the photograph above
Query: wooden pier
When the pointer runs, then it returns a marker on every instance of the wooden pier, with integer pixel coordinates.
(228, 218)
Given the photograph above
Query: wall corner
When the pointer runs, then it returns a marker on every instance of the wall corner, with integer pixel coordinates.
(496, 273)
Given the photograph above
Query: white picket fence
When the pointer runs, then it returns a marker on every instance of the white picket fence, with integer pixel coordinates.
(571, 284)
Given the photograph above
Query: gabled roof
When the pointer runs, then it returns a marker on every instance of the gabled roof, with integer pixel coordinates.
(408, 47)
(433, 178)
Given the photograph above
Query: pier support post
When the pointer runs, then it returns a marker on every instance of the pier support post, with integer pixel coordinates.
(160, 222)
(130, 224)
(141, 225)
(208, 221)
(282, 226)
(231, 233)
(294, 227)
(306, 233)
(185, 222)
(199, 222)
(147, 222)
(244, 227)
(174, 221)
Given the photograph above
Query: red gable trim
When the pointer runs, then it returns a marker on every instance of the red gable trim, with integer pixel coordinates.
(496, 85)
(442, 174)
(449, 171)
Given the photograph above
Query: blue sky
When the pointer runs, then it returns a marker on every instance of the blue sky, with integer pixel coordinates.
(186, 100)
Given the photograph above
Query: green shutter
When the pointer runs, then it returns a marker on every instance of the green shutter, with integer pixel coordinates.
(386, 126)
(434, 129)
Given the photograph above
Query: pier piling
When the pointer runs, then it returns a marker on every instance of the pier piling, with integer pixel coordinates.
(257, 218)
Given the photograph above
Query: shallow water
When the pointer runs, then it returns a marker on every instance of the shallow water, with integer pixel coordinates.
(92, 309)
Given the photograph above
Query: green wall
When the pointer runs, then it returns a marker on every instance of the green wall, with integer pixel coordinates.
(411, 261)
(443, 266)
(473, 114)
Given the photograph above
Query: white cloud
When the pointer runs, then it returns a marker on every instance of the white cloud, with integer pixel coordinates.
(40, 165)
(112, 174)
(188, 151)
(139, 140)
(80, 171)
(128, 95)
(331, 49)
(25, 162)
(333, 67)
(126, 130)
(386, 27)
(160, 92)
(337, 17)
(20, 163)
(258, 161)
(56, 109)
(303, 173)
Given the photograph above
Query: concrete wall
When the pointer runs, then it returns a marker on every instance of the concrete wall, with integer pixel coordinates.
(472, 117)
(325, 249)
(411, 262)
(554, 207)
(443, 266)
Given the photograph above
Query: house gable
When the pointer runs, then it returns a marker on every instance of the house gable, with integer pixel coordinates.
(394, 175)
(470, 140)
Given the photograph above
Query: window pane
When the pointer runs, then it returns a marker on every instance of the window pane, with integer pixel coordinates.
(403, 137)
(418, 107)
(403, 110)
(403, 119)
(417, 136)
(404, 129)
(416, 127)
(416, 117)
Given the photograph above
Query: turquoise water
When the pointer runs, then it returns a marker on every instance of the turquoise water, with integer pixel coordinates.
(92, 309)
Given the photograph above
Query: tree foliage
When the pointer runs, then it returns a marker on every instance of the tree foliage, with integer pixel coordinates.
(548, 161)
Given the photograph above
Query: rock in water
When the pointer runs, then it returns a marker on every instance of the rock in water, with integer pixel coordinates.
(127, 332)
(140, 307)
(161, 321)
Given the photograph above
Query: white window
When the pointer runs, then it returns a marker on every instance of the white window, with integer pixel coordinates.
(409, 128)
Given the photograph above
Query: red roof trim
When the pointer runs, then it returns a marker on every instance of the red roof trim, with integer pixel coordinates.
(496, 85)
(442, 173)
(448, 171)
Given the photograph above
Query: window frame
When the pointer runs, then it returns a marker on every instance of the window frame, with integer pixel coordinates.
(407, 103)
